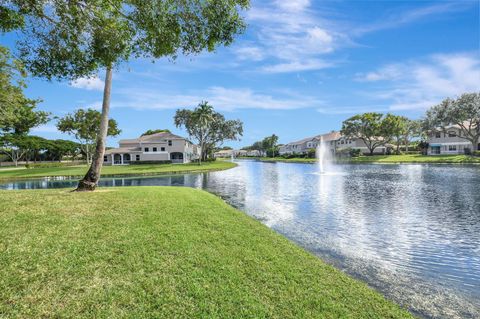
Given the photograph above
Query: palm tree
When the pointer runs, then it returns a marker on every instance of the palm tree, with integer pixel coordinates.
(204, 116)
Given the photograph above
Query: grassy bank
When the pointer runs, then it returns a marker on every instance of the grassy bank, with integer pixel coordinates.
(79, 171)
(390, 159)
(416, 158)
(161, 252)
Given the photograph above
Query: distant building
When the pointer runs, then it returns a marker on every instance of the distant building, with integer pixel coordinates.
(335, 142)
(159, 147)
(449, 141)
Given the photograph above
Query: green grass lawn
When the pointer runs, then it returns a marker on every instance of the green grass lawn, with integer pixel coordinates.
(390, 159)
(161, 252)
(415, 158)
(8, 173)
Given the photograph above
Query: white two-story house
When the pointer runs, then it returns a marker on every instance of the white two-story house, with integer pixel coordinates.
(159, 147)
(449, 141)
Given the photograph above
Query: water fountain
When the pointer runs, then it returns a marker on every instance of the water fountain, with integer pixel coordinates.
(324, 157)
(320, 153)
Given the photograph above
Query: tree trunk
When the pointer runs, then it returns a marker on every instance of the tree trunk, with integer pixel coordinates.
(90, 181)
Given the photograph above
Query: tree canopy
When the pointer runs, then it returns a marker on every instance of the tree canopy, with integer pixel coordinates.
(151, 132)
(269, 145)
(208, 127)
(72, 39)
(464, 112)
(371, 128)
(18, 114)
(85, 125)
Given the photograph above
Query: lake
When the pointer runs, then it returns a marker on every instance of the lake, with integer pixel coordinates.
(410, 231)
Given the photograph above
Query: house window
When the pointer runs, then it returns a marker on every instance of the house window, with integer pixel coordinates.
(137, 157)
(105, 158)
(162, 149)
(451, 134)
(437, 135)
(452, 147)
(154, 149)
(169, 143)
(146, 149)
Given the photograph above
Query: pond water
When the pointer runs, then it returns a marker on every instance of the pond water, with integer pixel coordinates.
(410, 231)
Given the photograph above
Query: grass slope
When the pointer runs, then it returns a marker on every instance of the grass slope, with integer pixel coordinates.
(390, 159)
(8, 173)
(161, 252)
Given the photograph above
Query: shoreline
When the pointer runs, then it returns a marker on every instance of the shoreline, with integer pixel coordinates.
(224, 166)
(227, 244)
(384, 159)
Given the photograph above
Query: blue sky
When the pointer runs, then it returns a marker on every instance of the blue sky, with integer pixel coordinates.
(301, 68)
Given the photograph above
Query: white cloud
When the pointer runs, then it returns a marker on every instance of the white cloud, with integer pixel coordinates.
(94, 83)
(249, 53)
(336, 110)
(297, 66)
(389, 72)
(417, 85)
(293, 5)
(227, 99)
(291, 37)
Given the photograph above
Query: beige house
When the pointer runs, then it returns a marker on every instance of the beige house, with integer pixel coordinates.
(449, 141)
(159, 147)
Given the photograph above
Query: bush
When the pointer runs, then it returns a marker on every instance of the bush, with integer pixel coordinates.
(149, 162)
(354, 152)
(311, 153)
(476, 153)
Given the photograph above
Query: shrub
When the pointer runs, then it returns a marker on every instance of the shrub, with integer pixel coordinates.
(354, 152)
(476, 153)
(149, 162)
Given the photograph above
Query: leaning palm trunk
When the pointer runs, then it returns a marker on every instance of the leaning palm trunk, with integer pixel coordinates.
(90, 181)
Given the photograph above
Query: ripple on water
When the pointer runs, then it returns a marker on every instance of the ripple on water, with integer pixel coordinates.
(410, 231)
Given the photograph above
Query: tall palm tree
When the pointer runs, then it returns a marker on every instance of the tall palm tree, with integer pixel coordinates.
(204, 116)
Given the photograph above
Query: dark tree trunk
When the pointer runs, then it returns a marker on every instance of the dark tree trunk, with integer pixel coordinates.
(90, 181)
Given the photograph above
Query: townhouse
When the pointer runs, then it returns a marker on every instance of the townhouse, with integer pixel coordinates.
(335, 142)
(449, 140)
(159, 147)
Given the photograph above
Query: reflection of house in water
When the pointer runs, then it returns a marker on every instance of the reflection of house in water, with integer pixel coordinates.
(159, 147)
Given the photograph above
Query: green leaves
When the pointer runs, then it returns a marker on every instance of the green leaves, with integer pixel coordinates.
(207, 127)
(464, 112)
(72, 39)
(85, 124)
